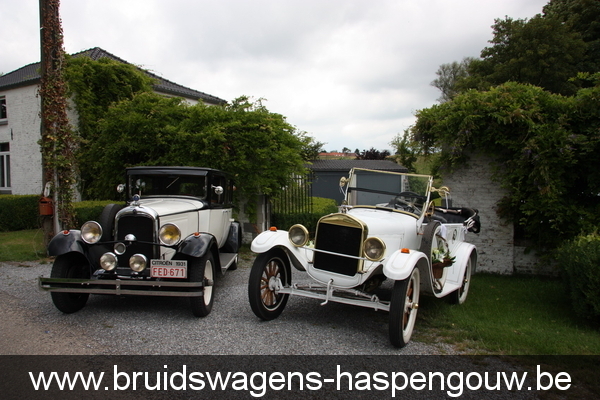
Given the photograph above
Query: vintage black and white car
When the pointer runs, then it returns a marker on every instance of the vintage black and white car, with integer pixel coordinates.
(172, 238)
(391, 226)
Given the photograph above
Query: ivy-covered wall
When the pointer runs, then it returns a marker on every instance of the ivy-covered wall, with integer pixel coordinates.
(497, 251)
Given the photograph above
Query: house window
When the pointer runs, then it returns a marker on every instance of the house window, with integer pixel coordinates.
(3, 114)
(4, 168)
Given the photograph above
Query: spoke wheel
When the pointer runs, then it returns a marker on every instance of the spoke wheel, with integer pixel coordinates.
(268, 271)
(73, 266)
(203, 269)
(403, 309)
(460, 296)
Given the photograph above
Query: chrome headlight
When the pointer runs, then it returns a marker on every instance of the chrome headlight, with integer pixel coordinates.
(169, 234)
(374, 248)
(108, 261)
(138, 262)
(298, 235)
(91, 232)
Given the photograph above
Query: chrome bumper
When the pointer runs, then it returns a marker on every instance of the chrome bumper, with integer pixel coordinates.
(124, 287)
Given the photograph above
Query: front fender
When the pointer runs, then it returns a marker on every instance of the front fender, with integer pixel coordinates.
(196, 245)
(66, 242)
(267, 240)
(400, 265)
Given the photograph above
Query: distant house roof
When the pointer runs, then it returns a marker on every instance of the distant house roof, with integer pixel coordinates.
(347, 165)
(336, 154)
(30, 74)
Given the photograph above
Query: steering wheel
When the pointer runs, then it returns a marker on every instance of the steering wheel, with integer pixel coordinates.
(406, 201)
(398, 204)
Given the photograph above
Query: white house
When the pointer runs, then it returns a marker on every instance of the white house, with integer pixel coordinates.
(20, 154)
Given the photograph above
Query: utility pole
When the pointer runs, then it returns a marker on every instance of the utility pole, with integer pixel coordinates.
(56, 135)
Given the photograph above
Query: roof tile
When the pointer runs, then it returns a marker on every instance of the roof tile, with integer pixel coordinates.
(30, 74)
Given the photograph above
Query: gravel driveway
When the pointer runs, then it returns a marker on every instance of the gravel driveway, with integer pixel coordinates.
(109, 325)
(154, 325)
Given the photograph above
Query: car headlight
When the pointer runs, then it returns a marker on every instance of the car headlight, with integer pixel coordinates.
(169, 234)
(91, 232)
(374, 248)
(298, 235)
(108, 261)
(138, 262)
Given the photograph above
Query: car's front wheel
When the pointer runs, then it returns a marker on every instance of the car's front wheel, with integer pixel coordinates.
(70, 266)
(403, 309)
(268, 271)
(203, 270)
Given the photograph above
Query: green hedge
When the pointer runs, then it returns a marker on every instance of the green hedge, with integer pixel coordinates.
(321, 207)
(89, 210)
(580, 261)
(20, 212)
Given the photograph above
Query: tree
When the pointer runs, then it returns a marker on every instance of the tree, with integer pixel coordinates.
(580, 16)
(310, 147)
(372, 154)
(448, 77)
(258, 147)
(57, 140)
(541, 51)
(406, 150)
(546, 148)
(124, 123)
(95, 85)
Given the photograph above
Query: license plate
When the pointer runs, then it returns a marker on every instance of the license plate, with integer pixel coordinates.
(168, 269)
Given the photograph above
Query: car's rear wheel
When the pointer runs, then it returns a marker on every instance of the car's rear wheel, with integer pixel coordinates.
(203, 270)
(268, 271)
(70, 266)
(403, 309)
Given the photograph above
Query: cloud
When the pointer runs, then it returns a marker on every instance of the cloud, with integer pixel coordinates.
(349, 72)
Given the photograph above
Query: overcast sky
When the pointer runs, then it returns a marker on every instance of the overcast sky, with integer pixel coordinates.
(351, 73)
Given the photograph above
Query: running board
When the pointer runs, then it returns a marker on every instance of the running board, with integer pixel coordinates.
(227, 259)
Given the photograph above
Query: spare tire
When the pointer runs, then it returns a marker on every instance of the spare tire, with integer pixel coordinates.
(107, 221)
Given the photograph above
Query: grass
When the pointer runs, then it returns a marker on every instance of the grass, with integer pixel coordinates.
(510, 315)
(20, 246)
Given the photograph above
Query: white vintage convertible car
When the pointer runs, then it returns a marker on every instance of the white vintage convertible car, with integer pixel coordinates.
(390, 226)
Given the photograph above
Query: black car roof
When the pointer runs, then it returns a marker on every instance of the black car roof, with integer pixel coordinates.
(163, 170)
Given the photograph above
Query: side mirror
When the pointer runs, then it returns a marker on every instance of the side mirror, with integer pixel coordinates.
(218, 190)
(343, 181)
(120, 188)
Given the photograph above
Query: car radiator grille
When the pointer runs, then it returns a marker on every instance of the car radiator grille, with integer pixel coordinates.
(142, 227)
(338, 239)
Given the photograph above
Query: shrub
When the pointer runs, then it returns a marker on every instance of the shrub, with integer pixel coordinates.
(321, 206)
(580, 261)
(324, 206)
(88, 211)
(19, 212)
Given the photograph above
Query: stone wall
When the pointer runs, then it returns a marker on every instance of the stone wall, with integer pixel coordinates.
(473, 187)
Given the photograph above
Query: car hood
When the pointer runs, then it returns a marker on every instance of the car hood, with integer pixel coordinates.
(164, 207)
(396, 229)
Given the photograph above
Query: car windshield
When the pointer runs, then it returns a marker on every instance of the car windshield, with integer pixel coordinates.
(168, 185)
(406, 192)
